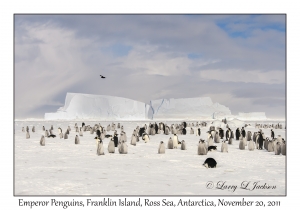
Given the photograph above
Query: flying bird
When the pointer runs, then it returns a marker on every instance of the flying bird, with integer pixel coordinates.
(102, 76)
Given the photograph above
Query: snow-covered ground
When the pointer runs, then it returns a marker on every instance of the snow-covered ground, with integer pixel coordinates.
(63, 168)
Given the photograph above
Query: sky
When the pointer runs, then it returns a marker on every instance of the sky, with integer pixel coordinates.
(237, 60)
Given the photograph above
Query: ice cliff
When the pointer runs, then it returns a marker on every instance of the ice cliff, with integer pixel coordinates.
(102, 107)
(87, 106)
(187, 108)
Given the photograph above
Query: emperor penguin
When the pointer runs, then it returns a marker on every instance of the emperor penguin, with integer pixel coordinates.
(42, 141)
(108, 128)
(266, 143)
(217, 138)
(283, 148)
(224, 146)
(23, 130)
(61, 135)
(67, 132)
(133, 140)
(170, 143)
(33, 129)
(242, 144)
(183, 145)
(116, 139)
(27, 129)
(76, 129)
(251, 145)
(51, 132)
(248, 136)
(80, 132)
(175, 141)
(119, 126)
(69, 128)
(27, 135)
(161, 148)
(59, 130)
(192, 131)
(91, 131)
(167, 130)
(43, 128)
(111, 146)
(146, 137)
(77, 140)
(270, 146)
(100, 149)
(198, 133)
(46, 133)
(66, 135)
(202, 150)
(277, 148)
(124, 148)
(51, 127)
(231, 137)
(210, 141)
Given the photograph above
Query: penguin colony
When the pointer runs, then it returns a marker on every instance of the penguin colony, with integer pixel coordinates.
(215, 135)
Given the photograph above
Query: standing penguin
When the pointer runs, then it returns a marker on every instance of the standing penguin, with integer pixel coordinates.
(80, 132)
(33, 129)
(192, 131)
(133, 140)
(123, 148)
(116, 140)
(46, 133)
(108, 128)
(242, 144)
(248, 136)
(77, 140)
(66, 135)
(266, 143)
(59, 130)
(42, 141)
(183, 145)
(61, 135)
(27, 135)
(224, 147)
(260, 140)
(210, 141)
(119, 126)
(43, 128)
(198, 133)
(111, 146)
(283, 148)
(270, 146)
(231, 137)
(243, 132)
(228, 134)
(272, 134)
(23, 130)
(251, 145)
(221, 133)
(170, 143)
(175, 141)
(167, 130)
(277, 148)
(100, 149)
(146, 137)
(161, 148)
(217, 138)
(202, 150)
(237, 134)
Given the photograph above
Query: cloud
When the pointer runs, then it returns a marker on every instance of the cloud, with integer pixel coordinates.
(255, 76)
(147, 57)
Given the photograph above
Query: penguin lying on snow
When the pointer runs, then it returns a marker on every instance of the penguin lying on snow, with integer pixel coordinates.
(52, 135)
(210, 163)
(212, 148)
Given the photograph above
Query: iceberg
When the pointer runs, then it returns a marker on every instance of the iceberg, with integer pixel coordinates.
(87, 106)
(187, 108)
(103, 107)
